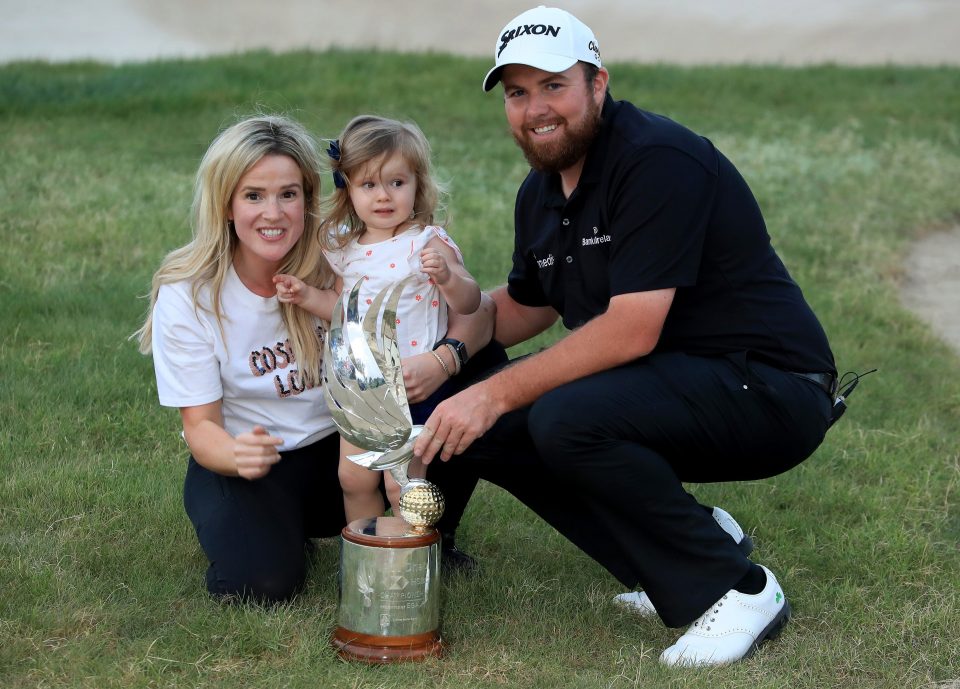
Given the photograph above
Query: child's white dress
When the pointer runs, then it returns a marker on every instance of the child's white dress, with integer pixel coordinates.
(422, 312)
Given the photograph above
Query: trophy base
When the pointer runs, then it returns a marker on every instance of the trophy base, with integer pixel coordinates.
(389, 584)
(370, 648)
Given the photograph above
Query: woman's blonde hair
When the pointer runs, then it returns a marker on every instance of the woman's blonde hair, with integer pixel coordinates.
(206, 260)
(367, 138)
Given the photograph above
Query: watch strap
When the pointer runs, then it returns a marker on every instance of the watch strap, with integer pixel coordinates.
(456, 357)
(458, 348)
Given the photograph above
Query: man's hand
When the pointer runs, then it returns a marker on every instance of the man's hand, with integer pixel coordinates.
(255, 453)
(456, 423)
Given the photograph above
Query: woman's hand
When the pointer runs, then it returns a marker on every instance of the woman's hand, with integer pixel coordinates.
(249, 455)
(422, 375)
(255, 453)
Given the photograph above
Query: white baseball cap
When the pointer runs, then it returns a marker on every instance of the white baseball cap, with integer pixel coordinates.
(547, 38)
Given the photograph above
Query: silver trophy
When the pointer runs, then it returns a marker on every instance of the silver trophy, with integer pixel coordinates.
(389, 567)
(363, 386)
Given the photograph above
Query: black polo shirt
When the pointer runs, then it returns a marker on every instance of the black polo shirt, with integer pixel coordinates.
(658, 206)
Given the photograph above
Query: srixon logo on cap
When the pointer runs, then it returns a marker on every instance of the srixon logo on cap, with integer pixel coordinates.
(527, 30)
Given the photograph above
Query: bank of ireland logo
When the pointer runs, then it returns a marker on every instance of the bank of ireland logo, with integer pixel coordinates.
(597, 238)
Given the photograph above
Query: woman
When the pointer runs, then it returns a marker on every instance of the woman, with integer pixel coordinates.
(244, 369)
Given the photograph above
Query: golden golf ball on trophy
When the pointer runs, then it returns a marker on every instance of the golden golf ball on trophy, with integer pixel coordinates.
(421, 504)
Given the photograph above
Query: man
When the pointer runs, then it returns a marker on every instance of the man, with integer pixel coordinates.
(691, 357)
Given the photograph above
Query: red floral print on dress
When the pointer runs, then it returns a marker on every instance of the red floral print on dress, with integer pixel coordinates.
(389, 262)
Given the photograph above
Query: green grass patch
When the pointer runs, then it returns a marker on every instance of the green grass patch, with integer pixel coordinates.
(100, 573)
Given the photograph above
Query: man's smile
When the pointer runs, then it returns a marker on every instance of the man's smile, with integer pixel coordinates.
(544, 129)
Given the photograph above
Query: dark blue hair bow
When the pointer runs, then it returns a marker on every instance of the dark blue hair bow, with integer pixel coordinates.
(334, 149)
(334, 152)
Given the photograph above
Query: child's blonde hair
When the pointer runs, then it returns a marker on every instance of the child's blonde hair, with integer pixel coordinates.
(366, 138)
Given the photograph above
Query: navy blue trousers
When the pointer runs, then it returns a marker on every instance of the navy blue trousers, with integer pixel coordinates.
(603, 460)
(254, 533)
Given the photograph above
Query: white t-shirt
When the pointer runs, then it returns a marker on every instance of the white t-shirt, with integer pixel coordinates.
(421, 312)
(250, 366)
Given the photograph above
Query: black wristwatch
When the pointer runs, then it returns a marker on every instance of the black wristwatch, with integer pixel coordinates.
(458, 347)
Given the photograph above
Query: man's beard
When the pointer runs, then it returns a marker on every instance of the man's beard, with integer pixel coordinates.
(567, 151)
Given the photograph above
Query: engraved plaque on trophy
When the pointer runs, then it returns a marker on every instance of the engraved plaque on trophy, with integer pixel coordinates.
(389, 594)
(389, 606)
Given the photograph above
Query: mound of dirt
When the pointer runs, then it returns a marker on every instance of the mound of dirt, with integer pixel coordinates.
(931, 288)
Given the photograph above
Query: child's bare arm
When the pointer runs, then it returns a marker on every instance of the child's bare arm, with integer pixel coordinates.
(457, 286)
(293, 290)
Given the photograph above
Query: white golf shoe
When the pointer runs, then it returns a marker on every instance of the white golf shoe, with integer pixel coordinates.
(732, 628)
(639, 602)
(729, 524)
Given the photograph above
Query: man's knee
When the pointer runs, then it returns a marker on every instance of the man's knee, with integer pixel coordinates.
(561, 425)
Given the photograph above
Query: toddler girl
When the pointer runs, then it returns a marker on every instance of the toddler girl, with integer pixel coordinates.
(380, 228)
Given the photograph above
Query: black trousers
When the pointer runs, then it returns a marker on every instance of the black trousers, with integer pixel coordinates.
(254, 532)
(602, 459)
(457, 483)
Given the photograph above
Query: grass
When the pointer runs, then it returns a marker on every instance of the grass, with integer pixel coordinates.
(101, 576)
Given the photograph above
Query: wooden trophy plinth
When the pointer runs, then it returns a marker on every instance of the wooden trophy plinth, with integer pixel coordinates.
(389, 592)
